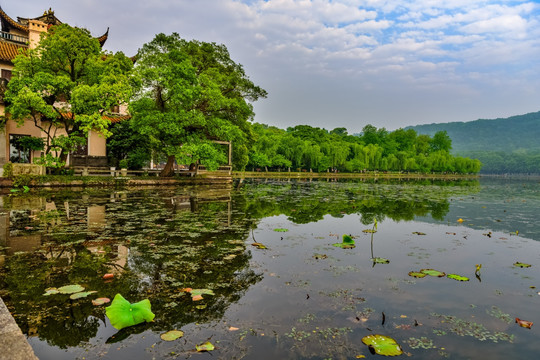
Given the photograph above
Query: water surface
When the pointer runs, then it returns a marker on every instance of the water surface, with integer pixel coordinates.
(301, 297)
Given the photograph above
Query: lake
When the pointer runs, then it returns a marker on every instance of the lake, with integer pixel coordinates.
(261, 268)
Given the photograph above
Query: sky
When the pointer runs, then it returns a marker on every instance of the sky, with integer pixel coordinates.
(345, 63)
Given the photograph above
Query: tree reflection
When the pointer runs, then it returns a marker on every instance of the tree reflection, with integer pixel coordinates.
(158, 242)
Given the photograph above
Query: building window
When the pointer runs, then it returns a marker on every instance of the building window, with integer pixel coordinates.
(6, 74)
(16, 152)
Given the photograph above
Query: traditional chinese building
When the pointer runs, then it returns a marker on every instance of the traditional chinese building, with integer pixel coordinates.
(24, 33)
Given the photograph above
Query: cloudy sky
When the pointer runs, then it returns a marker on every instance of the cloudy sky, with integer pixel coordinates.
(346, 63)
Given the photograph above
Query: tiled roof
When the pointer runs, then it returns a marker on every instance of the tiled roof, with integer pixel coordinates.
(113, 118)
(5, 17)
(116, 118)
(103, 37)
(8, 50)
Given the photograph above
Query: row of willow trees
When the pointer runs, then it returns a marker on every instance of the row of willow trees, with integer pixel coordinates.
(309, 148)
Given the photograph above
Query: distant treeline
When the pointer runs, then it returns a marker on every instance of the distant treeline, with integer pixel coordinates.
(305, 147)
(505, 145)
(516, 162)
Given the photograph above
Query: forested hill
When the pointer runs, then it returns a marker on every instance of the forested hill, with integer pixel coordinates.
(521, 132)
(509, 145)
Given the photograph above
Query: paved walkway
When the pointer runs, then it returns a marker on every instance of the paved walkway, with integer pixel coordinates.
(13, 344)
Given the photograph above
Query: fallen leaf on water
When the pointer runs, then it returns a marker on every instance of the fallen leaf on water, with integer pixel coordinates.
(418, 233)
(172, 335)
(108, 276)
(522, 265)
(259, 245)
(100, 301)
(196, 297)
(524, 323)
(232, 328)
(460, 220)
(207, 346)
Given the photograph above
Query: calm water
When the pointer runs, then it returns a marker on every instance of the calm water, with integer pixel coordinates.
(301, 297)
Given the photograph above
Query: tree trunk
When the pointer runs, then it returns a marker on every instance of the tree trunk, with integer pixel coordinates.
(168, 170)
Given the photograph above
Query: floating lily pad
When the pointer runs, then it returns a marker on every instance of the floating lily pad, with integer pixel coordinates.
(369, 231)
(382, 345)
(172, 335)
(522, 265)
(201, 292)
(432, 272)
(258, 245)
(379, 260)
(70, 289)
(348, 242)
(51, 291)
(281, 230)
(229, 257)
(457, 277)
(122, 313)
(417, 274)
(207, 346)
(81, 295)
(418, 233)
(100, 301)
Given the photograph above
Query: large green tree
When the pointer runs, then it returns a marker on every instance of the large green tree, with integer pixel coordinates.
(191, 92)
(65, 85)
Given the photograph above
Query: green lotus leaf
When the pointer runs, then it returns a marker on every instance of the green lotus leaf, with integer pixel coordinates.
(522, 265)
(172, 335)
(432, 272)
(457, 277)
(348, 242)
(379, 260)
(417, 274)
(382, 345)
(51, 291)
(202, 292)
(281, 230)
(122, 313)
(70, 289)
(207, 346)
(369, 231)
(80, 295)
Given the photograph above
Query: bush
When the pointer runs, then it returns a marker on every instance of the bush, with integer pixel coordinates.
(8, 170)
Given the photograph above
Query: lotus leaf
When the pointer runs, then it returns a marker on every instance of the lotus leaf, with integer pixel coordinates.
(522, 265)
(281, 230)
(122, 313)
(70, 289)
(369, 231)
(417, 274)
(81, 295)
(207, 346)
(348, 242)
(172, 335)
(457, 277)
(432, 272)
(382, 345)
(51, 291)
(379, 260)
(202, 292)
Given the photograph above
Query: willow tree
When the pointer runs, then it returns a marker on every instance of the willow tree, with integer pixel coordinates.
(190, 92)
(65, 84)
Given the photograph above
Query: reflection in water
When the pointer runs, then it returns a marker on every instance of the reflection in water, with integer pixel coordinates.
(158, 242)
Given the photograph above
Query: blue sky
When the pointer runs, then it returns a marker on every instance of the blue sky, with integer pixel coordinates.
(348, 63)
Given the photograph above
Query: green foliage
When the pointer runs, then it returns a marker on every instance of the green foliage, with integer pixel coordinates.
(8, 170)
(188, 93)
(127, 143)
(67, 82)
(29, 143)
(306, 147)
